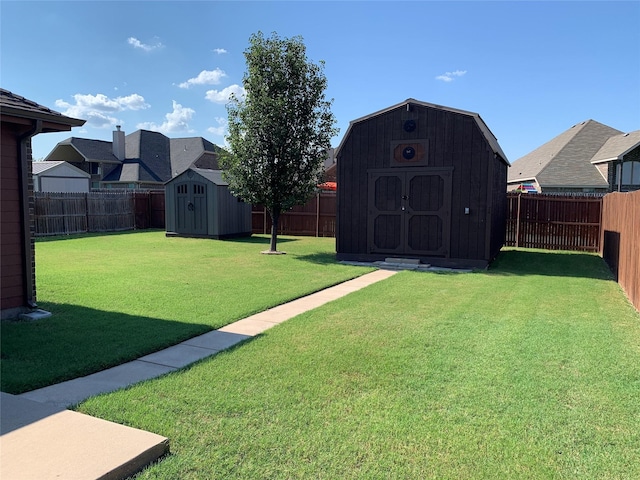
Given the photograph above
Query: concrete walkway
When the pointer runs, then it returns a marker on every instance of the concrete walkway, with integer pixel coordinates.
(40, 439)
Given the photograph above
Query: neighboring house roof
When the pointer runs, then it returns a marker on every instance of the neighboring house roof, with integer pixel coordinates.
(12, 105)
(83, 149)
(565, 161)
(331, 173)
(617, 147)
(186, 152)
(489, 136)
(40, 167)
(150, 157)
(49, 167)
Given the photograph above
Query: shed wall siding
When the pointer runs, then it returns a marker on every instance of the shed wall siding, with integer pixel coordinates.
(226, 216)
(454, 139)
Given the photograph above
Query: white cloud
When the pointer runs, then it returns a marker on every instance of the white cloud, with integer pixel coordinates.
(205, 77)
(222, 96)
(176, 121)
(450, 76)
(221, 129)
(98, 109)
(219, 51)
(133, 41)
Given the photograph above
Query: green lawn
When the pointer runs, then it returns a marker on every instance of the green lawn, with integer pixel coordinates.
(530, 370)
(117, 297)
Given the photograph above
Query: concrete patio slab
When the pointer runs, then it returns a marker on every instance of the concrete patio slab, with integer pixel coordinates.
(41, 442)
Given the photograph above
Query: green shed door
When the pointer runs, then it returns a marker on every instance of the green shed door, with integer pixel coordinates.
(191, 208)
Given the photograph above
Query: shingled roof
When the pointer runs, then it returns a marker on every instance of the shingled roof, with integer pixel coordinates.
(149, 156)
(617, 147)
(21, 107)
(565, 161)
(184, 150)
(76, 149)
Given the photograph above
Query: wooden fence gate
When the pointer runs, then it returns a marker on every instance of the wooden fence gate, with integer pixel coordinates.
(554, 222)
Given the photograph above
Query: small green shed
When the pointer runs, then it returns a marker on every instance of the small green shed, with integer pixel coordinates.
(198, 203)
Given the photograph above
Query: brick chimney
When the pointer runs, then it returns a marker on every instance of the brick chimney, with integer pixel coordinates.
(118, 143)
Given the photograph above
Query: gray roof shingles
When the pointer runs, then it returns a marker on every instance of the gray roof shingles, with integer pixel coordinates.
(149, 156)
(12, 104)
(616, 147)
(565, 161)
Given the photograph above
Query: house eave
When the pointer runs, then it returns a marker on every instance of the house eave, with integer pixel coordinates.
(51, 123)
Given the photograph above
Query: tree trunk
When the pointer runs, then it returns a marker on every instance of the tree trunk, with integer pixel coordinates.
(275, 217)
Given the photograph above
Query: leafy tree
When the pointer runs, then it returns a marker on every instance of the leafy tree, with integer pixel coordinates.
(280, 131)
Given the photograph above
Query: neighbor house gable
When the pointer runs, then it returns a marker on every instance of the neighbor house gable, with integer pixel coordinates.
(564, 162)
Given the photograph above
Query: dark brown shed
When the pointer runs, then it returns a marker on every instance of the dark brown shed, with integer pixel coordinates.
(421, 181)
(21, 120)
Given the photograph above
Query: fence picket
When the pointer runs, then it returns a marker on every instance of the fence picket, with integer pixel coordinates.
(554, 222)
(69, 213)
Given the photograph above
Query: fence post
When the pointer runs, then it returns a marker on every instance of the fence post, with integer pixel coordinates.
(318, 214)
(518, 222)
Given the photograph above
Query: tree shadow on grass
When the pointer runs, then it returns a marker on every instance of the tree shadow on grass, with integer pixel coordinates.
(325, 258)
(550, 263)
(77, 341)
(260, 240)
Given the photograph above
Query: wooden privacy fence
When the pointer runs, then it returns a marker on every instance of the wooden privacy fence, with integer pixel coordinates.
(621, 241)
(554, 222)
(315, 218)
(149, 209)
(69, 213)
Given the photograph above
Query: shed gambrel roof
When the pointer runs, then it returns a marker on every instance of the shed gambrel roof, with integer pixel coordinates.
(489, 136)
(565, 161)
(617, 147)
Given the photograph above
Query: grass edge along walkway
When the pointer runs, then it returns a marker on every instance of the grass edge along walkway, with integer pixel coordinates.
(115, 298)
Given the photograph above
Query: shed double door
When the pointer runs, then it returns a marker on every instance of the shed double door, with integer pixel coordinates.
(410, 211)
(191, 208)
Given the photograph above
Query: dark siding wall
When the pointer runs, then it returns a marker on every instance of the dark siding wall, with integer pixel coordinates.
(454, 139)
(12, 253)
(499, 209)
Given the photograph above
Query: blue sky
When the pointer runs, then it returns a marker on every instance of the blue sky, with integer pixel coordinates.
(530, 69)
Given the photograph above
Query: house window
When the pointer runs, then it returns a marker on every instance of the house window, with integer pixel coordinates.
(631, 173)
(628, 176)
(95, 168)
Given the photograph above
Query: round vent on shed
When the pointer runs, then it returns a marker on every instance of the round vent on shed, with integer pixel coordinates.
(409, 125)
(408, 152)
